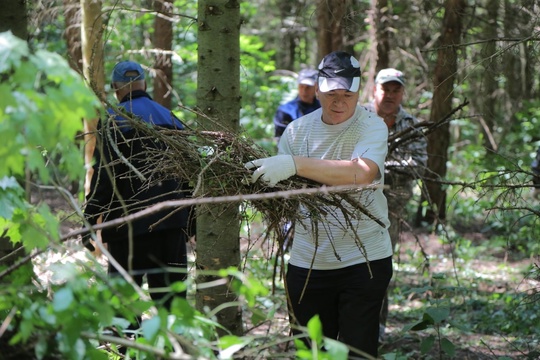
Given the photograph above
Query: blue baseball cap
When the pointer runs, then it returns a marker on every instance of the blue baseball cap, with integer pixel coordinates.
(127, 71)
(339, 71)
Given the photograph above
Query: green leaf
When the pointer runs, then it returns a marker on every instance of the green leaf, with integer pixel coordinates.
(438, 314)
(11, 197)
(120, 323)
(257, 316)
(231, 345)
(32, 236)
(40, 348)
(94, 354)
(420, 290)
(150, 327)
(337, 350)
(427, 344)
(182, 309)
(448, 347)
(46, 316)
(315, 329)
(12, 49)
(419, 325)
(63, 299)
(178, 287)
(300, 345)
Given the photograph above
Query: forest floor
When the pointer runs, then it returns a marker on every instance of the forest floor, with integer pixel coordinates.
(471, 282)
(477, 290)
(472, 286)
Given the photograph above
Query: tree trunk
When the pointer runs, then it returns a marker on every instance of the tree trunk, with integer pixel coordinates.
(72, 34)
(218, 97)
(378, 56)
(488, 105)
(517, 62)
(443, 83)
(163, 34)
(516, 58)
(381, 26)
(92, 64)
(330, 32)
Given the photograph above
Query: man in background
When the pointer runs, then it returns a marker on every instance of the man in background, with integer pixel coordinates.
(303, 104)
(127, 179)
(405, 161)
(535, 167)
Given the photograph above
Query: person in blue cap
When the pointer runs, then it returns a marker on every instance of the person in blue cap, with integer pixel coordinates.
(340, 265)
(301, 105)
(124, 182)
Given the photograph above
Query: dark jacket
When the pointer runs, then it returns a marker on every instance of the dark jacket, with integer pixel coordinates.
(535, 167)
(291, 111)
(117, 187)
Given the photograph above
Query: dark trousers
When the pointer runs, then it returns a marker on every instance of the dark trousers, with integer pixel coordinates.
(160, 255)
(348, 301)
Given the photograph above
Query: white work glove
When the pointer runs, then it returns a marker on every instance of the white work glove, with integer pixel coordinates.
(272, 169)
(396, 163)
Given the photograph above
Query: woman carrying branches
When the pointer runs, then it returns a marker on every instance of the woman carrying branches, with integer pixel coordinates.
(341, 260)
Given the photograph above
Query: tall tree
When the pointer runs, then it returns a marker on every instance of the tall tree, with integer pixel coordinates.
(443, 83)
(330, 21)
(72, 34)
(490, 64)
(163, 35)
(218, 97)
(517, 60)
(94, 73)
(379, 51)
(381, 24)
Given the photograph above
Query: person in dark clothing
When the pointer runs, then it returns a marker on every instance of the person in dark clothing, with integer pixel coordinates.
(126, 180)
(535, 168)
(303, 104)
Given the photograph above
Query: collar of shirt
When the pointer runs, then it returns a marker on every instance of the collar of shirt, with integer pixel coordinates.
(134, 95)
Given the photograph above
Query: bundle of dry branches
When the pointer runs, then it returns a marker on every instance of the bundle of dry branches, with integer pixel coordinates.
(213, 163)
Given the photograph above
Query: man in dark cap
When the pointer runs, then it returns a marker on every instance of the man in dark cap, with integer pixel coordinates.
(126, 180)
(328, 272)
(301, 105)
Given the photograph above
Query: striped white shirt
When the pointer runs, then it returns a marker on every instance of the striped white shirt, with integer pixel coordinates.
(325, 238)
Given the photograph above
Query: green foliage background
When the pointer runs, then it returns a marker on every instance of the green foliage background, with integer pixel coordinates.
(41, 107)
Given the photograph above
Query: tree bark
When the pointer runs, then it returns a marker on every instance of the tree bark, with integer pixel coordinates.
(218, 97)
(378, 56)
(330, 32)
(381, 25)
(92, 64)
(163, 35)
(491, 70)
(443, 83)
(72, 34)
